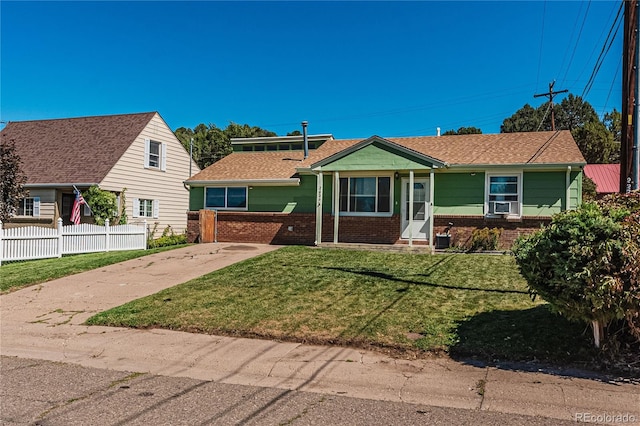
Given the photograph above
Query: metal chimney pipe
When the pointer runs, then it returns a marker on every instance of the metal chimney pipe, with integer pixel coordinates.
(438, 131)
(304, 139)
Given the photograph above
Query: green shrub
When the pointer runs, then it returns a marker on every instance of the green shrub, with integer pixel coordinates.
(485, 239)
(168, 238)
(586, 263)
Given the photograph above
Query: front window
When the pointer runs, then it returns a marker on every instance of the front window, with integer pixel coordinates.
(365, 194)
(504, 194)
(226, 198)
(26, 207)
(154, 154)
(145, 208)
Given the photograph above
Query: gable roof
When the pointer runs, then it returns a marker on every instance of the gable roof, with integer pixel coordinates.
(605, 176)
(384, 142)
(517, 149)
(73, 150)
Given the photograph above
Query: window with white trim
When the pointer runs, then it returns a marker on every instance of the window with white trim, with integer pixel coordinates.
(155, 155)
(365, 195)
(504, 194)
(29, 206)
(227, 197)
(144, 207)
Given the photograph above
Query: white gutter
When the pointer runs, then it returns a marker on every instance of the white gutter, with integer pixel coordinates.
(245, 182)
(548, 166)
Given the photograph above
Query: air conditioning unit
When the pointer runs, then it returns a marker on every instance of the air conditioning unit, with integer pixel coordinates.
(501, 207)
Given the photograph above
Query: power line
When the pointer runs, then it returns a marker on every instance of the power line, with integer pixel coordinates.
(603, 52)
(586, 13)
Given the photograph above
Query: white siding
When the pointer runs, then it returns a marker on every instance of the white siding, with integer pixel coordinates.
(152, 183)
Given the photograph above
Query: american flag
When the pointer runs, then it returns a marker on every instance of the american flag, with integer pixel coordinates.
(75, 211)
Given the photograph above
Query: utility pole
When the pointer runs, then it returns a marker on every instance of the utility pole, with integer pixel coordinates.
(629, 177)
(551, 94)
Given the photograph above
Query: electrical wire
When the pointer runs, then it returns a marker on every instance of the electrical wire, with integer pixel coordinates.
(575, 47)
(613, 81)
(603, 52)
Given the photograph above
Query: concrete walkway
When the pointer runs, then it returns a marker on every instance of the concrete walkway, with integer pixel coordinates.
(45, 322)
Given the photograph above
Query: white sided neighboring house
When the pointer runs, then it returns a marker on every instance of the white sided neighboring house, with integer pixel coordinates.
(138, 152)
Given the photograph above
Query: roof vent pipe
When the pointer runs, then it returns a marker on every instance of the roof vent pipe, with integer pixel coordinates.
(437, 131)
(305, 140)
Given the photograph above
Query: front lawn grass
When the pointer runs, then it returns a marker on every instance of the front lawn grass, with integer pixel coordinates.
(16, 275)
(405, 303)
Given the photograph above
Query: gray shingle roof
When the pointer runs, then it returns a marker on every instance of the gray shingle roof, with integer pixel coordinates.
(73, 150)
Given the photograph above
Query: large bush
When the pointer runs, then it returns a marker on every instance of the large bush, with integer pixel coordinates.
(586, 263)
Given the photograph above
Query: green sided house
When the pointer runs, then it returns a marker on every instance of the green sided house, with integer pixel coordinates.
(387, 190)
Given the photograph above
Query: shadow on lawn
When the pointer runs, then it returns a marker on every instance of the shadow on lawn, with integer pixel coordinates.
(528, 340)
(384, 276)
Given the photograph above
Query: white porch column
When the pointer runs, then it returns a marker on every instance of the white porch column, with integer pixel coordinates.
(568, 187)
(319, 208)
(431, 199)
(336, 205)
(410, 208)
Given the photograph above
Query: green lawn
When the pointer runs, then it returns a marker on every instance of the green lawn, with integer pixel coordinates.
(467, 305)
(15, 275)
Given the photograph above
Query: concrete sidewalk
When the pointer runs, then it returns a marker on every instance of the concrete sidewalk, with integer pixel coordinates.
(45, 322)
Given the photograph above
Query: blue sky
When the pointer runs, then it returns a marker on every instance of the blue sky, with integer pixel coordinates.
(353, 69)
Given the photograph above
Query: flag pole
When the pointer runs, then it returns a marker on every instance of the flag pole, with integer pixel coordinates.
(76, 190)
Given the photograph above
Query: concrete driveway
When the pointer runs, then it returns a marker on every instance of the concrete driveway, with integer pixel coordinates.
(45, 322)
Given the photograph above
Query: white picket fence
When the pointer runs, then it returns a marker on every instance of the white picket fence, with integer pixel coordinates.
(36, 242)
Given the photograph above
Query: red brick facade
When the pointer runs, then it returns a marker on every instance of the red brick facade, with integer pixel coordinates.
(300, 228)
(463, 226)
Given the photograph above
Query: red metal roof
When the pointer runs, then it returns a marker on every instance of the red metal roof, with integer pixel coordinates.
(605, 176)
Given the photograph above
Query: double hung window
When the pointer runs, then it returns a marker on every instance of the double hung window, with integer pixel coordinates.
(503, 194)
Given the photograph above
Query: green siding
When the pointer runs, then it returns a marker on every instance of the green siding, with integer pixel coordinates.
(459, 194)
(196, 198)
(455, 194)
(376, 157)
(544, 193)
(291, 199)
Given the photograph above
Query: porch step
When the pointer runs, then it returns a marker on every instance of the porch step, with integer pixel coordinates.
(398, 248)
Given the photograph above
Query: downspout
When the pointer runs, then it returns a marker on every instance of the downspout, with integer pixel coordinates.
(568, 186)
(190, 163)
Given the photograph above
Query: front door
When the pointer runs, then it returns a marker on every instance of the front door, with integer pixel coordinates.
(67, 205)
(419, 229)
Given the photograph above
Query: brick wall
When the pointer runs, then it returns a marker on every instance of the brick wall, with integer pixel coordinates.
(300, 228)
(296, 228)
(463, 226)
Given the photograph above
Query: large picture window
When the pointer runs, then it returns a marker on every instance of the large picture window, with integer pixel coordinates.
(503, 194)
(365, 194)
(226, 198)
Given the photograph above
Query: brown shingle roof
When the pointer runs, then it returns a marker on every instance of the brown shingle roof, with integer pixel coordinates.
(74, 150)
(253, 166)
(498, 149)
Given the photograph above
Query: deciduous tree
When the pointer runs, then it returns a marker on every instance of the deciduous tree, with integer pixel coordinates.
(12, 179)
